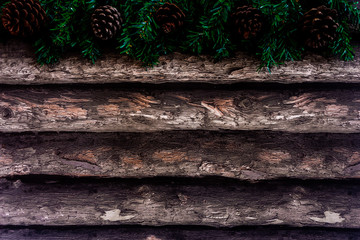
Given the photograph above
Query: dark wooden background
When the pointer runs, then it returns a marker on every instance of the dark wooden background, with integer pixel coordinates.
(190, 149)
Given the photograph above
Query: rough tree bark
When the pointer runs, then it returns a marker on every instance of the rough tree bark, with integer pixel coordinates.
(18, 66)
(177, 233)
(101, 109)
(213, 202)
(241, 155)
(216, 202)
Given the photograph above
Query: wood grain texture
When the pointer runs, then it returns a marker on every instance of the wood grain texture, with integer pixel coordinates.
(240, 155)
(212, 202)
(177, 233)
(108, 109)
(18, 66)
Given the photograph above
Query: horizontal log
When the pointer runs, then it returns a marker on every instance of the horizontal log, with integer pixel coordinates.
(240, 155)
(176, 233)
(211, 202)
(105, 109)
(18, 66)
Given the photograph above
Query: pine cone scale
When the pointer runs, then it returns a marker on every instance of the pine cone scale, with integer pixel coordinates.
(106, 22)
(319, 27)
(23, 18)
(169, 17)
(247, 21)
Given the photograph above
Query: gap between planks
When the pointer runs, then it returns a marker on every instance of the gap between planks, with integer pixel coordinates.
(176, 233)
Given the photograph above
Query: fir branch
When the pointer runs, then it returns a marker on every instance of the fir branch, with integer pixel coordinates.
(69, 28)
(140, 31)
(89, 48)
(347, 10)
(342, 47)
(3, 3)
(46, 52)
(205, 29)
(4, 36)
(83, 37)
(278, 44)
(64, 20)
(125, 41)
(210, 33)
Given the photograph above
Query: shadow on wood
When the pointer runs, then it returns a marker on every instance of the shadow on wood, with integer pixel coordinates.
(158, 202)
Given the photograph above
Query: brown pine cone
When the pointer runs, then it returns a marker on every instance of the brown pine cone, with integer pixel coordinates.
(247, 21)
(106, 22)
(318, 27)
(169, 17)
(23, 17)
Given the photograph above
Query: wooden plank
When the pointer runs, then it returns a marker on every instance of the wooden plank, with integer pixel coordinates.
(18, 66)
(113, 108)
(177, 233)
(157, 202)
(240, 155)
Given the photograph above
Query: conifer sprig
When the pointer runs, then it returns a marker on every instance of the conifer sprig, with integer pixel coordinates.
(205, 30)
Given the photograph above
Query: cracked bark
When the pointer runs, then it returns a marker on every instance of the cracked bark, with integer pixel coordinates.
(105, 109)
(249, 155)
(241, 155)
(18, 66)
(211, 202)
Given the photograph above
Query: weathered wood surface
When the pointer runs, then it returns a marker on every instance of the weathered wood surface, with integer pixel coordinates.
(213, 202)
(18, 66)
(108, 109)
(241, 155)
(177, 233)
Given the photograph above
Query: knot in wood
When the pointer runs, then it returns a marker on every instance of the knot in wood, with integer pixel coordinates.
(6, 113)
(243, 103)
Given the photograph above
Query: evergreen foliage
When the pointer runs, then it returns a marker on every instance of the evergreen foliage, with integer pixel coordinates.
(3, 34)
(206, 29)
(279, 43)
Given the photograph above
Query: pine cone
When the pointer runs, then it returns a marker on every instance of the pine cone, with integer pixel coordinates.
(169, 17)
(106, 22)
(319, 27)
(23, 17)
(247, 21)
